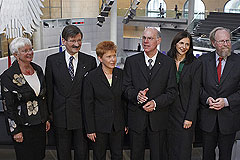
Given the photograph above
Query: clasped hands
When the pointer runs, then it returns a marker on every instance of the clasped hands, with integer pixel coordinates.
(216, 104)
(142, 98)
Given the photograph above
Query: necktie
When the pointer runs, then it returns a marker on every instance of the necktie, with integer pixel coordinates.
(70, 67)
(150, 64)
(219, 68)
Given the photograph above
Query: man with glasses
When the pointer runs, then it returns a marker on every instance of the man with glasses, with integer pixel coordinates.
(150, 86)
(64, 75)
(220, 96)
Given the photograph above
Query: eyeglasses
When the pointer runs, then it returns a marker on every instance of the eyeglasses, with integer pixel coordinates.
(26, 50)
(147, 38)
(221, 42)
(74, 41)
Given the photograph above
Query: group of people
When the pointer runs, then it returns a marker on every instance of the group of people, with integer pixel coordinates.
(155, 98)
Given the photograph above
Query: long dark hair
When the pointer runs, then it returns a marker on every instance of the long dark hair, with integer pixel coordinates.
(173, 51)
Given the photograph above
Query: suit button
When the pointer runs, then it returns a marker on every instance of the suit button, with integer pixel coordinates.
(217, 85)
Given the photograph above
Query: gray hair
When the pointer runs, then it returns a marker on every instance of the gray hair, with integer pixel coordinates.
(18, 43)
(158, 32)
(213, 32)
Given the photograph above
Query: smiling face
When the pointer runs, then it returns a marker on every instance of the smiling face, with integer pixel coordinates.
(150, 41)
(25, 54)
(108, 60)
(183, 46)
(73, 44)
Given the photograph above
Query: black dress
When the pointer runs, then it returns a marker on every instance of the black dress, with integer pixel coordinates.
(25, 112)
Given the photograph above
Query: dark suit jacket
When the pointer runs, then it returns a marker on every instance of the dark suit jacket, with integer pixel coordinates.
(162, 89)
(64, 95)
(103, 104)
(186, 104)
(229, 87)
(17, 93)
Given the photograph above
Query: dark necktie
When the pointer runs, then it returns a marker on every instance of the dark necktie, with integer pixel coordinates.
(219, 68)
(150, 64)
(70, 67)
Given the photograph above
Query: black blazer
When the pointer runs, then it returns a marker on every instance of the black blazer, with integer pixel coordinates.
(229, 87)
(103, 104)
(18, 95)
(64, 95)
(162, 89)
(187, 103)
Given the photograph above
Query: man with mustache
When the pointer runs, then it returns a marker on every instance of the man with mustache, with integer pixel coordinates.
(220, 96)
(64, 76)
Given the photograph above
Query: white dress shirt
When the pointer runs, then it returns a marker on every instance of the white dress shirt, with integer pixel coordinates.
(75, 60)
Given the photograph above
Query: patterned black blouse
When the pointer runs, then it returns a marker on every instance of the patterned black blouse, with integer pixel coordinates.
(20, 103)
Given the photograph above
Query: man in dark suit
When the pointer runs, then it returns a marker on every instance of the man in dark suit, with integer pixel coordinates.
(64, 75)
(150, 86)
(220, 96)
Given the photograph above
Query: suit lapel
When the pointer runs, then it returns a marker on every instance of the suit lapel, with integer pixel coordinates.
(142, 65)
(102, 76)
(212, 66)
(80, 70)
(227, 68)
(62, 66)
(157, 65)
(115, 78)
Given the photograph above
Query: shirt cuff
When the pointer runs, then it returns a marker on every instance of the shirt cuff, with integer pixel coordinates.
(155, 105)
(226, 104)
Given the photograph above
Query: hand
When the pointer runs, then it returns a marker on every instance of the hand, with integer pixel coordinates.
(149, 106)
(211, 101)
(141, 97)
(187, 124)
(126, 130)
(218, 104)
(92, 136)
(18, 137)
(47, 126)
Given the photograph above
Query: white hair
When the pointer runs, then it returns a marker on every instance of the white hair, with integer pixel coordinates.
(18, 43)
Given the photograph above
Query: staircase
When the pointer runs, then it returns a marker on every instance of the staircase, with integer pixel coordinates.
(217, 19)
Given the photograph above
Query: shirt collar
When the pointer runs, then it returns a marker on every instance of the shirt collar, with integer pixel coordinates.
(217, 56)
(153, 58)
(67, 55)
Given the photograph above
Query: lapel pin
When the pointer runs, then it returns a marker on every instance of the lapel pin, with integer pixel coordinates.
(84, 67)
(159, 62)
(85, 74)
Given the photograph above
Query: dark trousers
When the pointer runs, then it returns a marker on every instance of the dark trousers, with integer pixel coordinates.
(34, 143)
(157, 143)
(66, 139)
(213, 139)
(180, 144)
(115, 142)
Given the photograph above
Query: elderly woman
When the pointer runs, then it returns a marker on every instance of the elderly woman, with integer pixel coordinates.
(23, 90)
(183, 112)
(104, 109)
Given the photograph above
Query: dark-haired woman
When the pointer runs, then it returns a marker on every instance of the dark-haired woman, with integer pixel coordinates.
(183, 111)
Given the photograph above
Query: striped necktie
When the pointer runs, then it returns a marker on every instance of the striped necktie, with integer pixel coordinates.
(70, 67)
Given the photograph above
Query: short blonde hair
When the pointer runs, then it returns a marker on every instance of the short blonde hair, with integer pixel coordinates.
(105, 46)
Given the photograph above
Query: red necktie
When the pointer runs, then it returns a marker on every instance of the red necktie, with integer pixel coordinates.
(219, 68)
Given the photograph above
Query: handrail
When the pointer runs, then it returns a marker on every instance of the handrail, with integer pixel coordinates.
(235, 29)
(194, 18)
